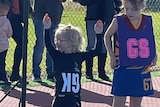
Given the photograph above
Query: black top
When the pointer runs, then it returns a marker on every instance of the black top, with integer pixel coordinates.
(68, 61)
(67, 66)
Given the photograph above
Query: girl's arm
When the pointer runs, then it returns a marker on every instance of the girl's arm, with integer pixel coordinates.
(112, 29)
(98, 28)
(47, 25)
(48, 43)
(95, 51)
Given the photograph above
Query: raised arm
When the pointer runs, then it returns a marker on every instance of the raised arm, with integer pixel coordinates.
(47, 25)
(98, 27)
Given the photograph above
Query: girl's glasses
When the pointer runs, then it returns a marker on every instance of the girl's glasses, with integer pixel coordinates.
(59, 41)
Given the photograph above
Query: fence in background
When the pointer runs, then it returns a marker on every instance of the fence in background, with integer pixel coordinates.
(74, 13)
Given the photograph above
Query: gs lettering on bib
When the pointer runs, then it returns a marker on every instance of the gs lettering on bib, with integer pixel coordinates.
(136, 47)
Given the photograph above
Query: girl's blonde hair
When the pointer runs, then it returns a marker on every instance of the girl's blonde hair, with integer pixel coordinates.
(73, 35)
(136, 3)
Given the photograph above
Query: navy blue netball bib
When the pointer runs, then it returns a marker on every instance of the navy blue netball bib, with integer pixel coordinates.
(68, 87)
(68, 82)
(71, 82)
(136, 47)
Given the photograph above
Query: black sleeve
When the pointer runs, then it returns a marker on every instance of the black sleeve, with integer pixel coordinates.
(50, 48)
(96, 51)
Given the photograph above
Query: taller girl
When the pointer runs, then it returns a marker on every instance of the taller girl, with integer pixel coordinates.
(134, 51)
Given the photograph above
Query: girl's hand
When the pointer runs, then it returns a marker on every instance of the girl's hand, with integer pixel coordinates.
(98, 27)
(113, 62)
(46, 21)
(148, 68)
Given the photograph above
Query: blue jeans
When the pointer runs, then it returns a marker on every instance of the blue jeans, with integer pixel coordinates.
(38, 51)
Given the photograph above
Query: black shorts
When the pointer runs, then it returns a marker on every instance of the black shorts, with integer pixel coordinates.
(69, 100)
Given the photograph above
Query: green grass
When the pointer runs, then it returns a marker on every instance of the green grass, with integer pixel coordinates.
(75, 16)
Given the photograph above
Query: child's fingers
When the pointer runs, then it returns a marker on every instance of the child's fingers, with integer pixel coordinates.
(99, 23)
(46, 16)
(46, 21)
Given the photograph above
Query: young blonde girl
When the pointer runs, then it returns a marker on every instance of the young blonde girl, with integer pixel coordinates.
(134, 50)
(68, 56)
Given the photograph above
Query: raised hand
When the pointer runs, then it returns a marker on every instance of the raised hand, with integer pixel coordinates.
(46, 21)
(98, 27)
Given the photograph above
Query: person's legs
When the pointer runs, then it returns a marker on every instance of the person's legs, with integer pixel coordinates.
(101, 64)
(119, 101)
(91, 37)
(2, 66)
(3, 75)
(102, 60)
(135, 101)
(49, 69)
(38, 49)
(101, 67)
(17, 36)
(89, 65)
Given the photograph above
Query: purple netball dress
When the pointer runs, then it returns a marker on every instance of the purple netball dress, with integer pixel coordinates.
(134, 49)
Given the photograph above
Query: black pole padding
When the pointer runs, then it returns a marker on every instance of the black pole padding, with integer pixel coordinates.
(24, 52)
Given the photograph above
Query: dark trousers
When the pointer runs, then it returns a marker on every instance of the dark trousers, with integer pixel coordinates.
(2, 66)
(17, 36)
(101, 65)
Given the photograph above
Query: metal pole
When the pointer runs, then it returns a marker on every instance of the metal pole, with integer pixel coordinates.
(24, 51)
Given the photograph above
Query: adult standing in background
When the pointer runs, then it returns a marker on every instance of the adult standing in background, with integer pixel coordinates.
(104, 11)
(54, 8)
(16, 18)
